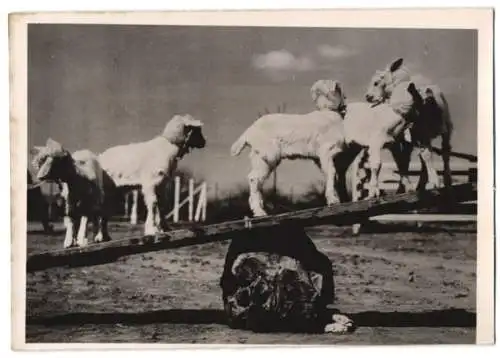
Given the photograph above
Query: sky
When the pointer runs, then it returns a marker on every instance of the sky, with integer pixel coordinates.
(97, 86)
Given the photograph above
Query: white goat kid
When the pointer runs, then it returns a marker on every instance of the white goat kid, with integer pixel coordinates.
(316, 136)
(376, 127)
(434, 120)
(86, 190)
(147, 165)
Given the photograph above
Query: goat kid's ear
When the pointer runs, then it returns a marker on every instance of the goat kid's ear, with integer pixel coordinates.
(396, 65)
(53, 145)
(36, 149)
(428, 92)
(338, 87)
(412, 89)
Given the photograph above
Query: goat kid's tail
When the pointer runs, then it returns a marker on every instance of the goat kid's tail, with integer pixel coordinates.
(239, 145)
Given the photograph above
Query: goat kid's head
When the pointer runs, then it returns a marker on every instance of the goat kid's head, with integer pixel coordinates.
(329, 95)
(407, 100)
(383, 82)
(52, 161)
(185, 132)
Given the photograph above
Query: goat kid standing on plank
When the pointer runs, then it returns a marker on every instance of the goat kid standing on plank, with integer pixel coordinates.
(433, 121)
(373, 128)
(148, 165)
(87, 190)
(317, 136)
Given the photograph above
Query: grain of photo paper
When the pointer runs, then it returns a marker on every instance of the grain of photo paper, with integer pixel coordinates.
(205, 179)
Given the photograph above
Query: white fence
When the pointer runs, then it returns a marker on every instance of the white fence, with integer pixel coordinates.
(197, 215)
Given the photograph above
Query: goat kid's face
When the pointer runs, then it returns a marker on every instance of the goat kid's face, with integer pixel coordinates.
(51, 161)
(328, 94)
(185, 132)
(382, 82)
(195, 137)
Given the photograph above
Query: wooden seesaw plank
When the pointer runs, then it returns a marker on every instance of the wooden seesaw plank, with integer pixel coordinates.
(340, 214)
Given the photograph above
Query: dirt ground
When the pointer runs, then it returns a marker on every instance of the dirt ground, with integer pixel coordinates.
(174, 296)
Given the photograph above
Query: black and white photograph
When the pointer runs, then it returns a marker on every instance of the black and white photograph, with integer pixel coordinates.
(192, 183)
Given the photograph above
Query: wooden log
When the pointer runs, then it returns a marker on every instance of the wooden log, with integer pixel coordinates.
(340, 214)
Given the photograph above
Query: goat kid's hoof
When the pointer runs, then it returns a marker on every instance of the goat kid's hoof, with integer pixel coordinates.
(401, 189)
(356, 228)
(248, 223)
(334, 201)
(259, 213)
(101, 238)
(82, 242)
(153, 232)
(431, 186)
(68, 243)
(374, 193)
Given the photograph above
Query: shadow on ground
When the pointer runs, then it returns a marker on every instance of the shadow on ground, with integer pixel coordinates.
(438, 318)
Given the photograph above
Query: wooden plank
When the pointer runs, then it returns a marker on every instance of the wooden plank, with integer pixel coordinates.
(426, 217)
(340, 214)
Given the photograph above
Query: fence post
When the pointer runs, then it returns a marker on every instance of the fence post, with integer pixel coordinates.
(201, 209)
(191, 198)
(51, 201)
(275, 182)
(204, 193)
(177, 194)
(126, 196)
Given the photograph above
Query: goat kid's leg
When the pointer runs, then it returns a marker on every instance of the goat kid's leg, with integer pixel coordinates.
(68, 238)
(375, 163)
(157, 216)
(133, 212)
(96, 229)
(432, 176)
(446, 148)
(327, 164)
(102, 230)
(150, 226)
(161, 209)
(81, 238)
(401, 153)
(43, 209)
(259, 173)
(69, 220)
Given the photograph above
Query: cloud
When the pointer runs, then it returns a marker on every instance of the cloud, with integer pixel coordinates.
(282, 60)
(334, 52)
